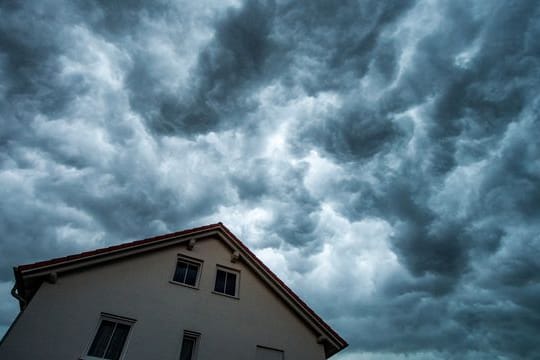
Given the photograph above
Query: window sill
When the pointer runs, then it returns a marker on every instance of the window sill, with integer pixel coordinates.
(226, 295)
(185, 285)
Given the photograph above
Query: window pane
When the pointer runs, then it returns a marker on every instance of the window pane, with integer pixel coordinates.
(99, 345)
(230, 285)
(180, 273)
(188, 344)
(220, 281)
(117, 342)
(191, 276)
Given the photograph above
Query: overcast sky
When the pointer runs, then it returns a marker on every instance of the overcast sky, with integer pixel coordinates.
(382, 157)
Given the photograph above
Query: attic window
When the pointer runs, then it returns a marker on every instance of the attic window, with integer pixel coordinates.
(187, 271)
(110, 337)
(226, 282)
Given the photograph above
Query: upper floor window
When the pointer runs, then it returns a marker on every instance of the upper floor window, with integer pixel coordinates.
(226, 282)
(187, 271)
(110, 338)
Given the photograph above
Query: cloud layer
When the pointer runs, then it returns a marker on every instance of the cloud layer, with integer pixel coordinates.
(386, 151)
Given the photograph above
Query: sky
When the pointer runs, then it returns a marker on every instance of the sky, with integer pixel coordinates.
(382, 157)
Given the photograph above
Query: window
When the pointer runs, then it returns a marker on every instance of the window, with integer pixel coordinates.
(110, 337)
(187, 271)
(266, 353)
(226, 282)
(189, 345)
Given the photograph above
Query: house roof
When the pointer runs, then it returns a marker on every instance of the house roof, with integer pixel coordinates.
(30, 276)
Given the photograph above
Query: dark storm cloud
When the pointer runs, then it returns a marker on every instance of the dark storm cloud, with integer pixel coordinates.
(28, 74)
(61, 177)
(352, 133)
(30, 68)
(338, 38)
(386, 151)
(241, 57)
(297, 211)
(119, 18)
(476, 78)
(485, 110)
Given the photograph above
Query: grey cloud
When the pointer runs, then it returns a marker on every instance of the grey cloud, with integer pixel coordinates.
(30, 228)
(29, 70)
(352, 133)
(296, 211)
(241, 57)
(58, 189)
(431, 242)
(477, 109)
(119, 18)
(337, 37)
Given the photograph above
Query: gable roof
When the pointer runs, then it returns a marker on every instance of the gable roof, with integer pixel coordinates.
(29, 277)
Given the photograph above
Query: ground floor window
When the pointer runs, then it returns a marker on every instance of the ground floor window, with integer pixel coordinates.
(189, 345)
(267, 353)
(110, 338)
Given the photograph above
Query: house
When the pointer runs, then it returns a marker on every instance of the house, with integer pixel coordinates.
(194, 294)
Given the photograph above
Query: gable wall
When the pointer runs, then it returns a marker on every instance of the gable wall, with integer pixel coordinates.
(61, 319)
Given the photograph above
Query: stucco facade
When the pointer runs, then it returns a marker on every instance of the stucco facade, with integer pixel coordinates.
(61, 319)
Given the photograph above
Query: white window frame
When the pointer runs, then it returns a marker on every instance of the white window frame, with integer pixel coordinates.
(271, 349)
(188, 260)
(117, 320)
(236, 285)
(193, 335)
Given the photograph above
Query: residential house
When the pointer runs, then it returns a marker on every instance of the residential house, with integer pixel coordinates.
(194, 294)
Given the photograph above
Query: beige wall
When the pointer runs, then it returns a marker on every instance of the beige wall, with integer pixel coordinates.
(61, 319)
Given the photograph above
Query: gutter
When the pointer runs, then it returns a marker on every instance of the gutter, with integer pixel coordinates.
(16, 290)
(17, 296)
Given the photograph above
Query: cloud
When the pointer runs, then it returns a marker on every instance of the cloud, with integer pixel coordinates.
(7, 307)
(386, 151)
